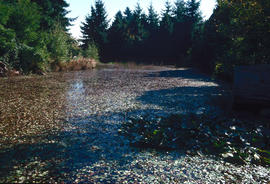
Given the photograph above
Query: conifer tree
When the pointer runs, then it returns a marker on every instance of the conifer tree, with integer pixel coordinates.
(152, 20)
(54, 12)
(116, 36)
(166, 24)
(94, 29)
(137, 26)
(165, 32)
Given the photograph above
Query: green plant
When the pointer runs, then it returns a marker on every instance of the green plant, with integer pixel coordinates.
(58, 45)
(32, 59)
(91, 52)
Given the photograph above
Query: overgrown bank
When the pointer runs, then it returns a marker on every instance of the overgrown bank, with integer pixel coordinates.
(34, 38)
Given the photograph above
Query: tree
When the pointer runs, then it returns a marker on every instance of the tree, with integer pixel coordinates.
(165, 33)
(116, 36)
(152, 20)
(237, 33)
(25, 21)
(25, 41)
(7, 36)
(180, 11)
(94, 29)
(54, 12)
(137, 24)
(181, 32)
(166, 24)
(193, 11)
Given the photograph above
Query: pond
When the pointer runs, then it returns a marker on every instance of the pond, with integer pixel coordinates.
(63, 127)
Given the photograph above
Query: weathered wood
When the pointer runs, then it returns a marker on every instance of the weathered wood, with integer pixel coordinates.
(252, 85)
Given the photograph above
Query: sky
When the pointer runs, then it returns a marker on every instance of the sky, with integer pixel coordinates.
(81, 8)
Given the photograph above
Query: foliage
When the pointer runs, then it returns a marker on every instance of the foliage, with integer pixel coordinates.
(234, 140)
(32, 59)
(58, 45)
(91, 52)
(33, 34)
(236, 34)
(94, 29)
(53, 12)
(134, 35)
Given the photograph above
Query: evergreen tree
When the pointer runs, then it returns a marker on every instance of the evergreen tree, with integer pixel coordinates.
(25, 21)
(116, 36)
(152, 20)
(116, 31)
(181, 33)
(26, 34)
(165, 33)
(54, 12)
(193, 11)
(166, 24)
(128, 16)
(180, 11)
(94, 29)
(137, 24)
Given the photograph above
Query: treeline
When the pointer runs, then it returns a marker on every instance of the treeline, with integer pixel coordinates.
(237, 33)
(33, 35)
(134, 35)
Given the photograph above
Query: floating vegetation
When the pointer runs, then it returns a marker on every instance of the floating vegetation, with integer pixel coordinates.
(234, 140)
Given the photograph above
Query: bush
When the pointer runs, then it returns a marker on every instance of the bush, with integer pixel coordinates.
(74, 49)
(79, 64)
(223, 71)
(91, 52)
(58, 45)
(32, 59)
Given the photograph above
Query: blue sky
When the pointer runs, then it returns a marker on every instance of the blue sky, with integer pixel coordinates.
(80, 8)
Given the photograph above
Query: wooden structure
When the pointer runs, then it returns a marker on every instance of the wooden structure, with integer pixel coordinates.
(252, 86)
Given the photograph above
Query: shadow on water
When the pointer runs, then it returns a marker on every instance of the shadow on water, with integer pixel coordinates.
(90, 139)
(188, 99)
(186, 73)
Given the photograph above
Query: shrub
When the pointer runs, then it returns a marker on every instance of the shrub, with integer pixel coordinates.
(91, 52)
(58, 45)
(77, 64)
(32, 59)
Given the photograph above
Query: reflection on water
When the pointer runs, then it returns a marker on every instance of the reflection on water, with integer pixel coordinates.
(93, 103)
(76, 91)
(77, 101)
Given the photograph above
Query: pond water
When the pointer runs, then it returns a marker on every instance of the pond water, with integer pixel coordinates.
(64, 126)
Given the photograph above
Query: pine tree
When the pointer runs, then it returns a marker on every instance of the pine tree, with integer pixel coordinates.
(181, 33)
(25, 21)
(137, 24)
(166, 24)
(165, 33)
(54, 12)
(193, 11)
(116, 36)
(127, 19)
(180, 11)
(116, 31)
(94, 29)
(152, 20)
(127, 15)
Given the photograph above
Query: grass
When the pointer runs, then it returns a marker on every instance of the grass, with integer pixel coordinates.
(76, 65)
